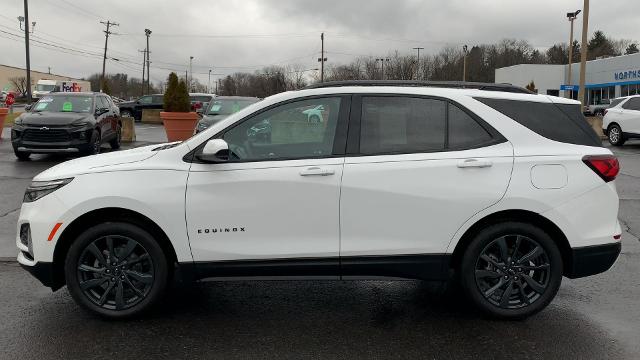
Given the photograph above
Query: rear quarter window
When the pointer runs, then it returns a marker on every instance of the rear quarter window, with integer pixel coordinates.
(559, 122)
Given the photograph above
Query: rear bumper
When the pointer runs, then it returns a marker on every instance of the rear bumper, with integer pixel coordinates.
(591, 260)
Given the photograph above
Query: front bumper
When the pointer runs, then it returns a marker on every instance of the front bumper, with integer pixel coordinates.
(52, 140)
(591, 260)
(43, 271)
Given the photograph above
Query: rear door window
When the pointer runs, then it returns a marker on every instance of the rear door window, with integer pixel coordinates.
(464, 131)
(558, 122)
(632, 104)
(402, 125)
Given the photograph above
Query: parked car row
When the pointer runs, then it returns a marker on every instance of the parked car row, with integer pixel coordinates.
(156, 102)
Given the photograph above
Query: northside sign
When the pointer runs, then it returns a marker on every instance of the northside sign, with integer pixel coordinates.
(68, 86)
(627, 75)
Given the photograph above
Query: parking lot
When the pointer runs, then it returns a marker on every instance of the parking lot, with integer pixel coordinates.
(596, 317)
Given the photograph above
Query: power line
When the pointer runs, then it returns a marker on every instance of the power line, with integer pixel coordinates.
(83, 10)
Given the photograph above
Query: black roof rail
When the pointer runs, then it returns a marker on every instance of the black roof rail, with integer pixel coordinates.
(418, 83)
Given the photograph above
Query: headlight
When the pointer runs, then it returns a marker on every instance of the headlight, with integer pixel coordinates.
(79, 123)
(18, 120)
(39, 189)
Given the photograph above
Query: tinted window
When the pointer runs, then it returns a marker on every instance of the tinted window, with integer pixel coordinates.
(101, 102)
(145, 100)
(228, 106)
(615, 102)
(632, 104)
(157, 99)
(401, 124)
(302, 129)
(559, 122)
(464, 131)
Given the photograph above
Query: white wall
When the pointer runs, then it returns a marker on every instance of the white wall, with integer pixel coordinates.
(545, 77)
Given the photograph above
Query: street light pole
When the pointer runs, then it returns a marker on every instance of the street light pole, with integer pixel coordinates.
(583, 51)
(147, 33)
(418, 62)
(209, 83)
(571, 16)
(464, 63)
(190, 73)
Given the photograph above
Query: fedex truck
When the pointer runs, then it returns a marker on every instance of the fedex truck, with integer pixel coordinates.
(44, 87)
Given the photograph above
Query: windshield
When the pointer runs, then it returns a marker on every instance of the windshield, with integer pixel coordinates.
(228, 106)
(76, 104)
(41, 87)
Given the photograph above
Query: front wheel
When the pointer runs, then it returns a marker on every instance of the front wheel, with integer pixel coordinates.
(116, 270)
(615, 135)
(115, 143)
(511, 270)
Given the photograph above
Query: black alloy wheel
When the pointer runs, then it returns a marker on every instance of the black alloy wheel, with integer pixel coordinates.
(511, 270)
(116, 270)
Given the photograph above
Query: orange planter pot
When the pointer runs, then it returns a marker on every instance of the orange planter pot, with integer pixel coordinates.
(179, 126)
(3, 117)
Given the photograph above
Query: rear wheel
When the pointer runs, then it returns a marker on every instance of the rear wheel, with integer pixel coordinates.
(511, 270)
(116, 270)
(125, 113)
(615, 135)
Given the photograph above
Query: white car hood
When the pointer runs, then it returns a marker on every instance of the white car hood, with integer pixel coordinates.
(97, 163)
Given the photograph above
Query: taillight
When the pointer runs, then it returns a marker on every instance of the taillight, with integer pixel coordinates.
(606, 166)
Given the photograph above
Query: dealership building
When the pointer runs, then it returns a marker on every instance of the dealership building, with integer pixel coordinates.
(606, 78)
(10, 72)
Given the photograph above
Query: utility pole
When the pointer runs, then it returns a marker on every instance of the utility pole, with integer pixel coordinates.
(109, 24)
(49, 67)
(209, 83)
(147, 32)
(583, 51)
(26, 44)
(418, 62)
(571, 16)
(322, 59)
(464, 63)
(190, 73)
(144, 60)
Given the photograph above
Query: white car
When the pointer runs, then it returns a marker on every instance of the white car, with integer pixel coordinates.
(504, 190)
(621, 121)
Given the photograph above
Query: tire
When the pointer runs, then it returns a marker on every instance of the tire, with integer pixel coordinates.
(315, 119)
(131, 287)
(529, 283)
(125, 113)
(615, 135)
(21, 155)
(115, 143)
(95, 143)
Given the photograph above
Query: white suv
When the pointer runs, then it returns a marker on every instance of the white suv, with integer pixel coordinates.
(503, 190)
(621, 121)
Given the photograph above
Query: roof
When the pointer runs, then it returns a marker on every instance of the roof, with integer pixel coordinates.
(417, 83)
(236, 98)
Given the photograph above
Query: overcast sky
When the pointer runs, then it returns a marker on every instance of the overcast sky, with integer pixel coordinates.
(243, 35)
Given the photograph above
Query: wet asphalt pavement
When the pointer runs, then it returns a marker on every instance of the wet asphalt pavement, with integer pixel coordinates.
(591, 318)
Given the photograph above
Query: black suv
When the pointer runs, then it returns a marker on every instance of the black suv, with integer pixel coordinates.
(67, 123)
(134, 108)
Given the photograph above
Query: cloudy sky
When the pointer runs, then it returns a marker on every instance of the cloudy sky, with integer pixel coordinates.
(243, 35)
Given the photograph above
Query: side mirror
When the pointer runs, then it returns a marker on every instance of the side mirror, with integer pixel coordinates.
(200, 111)
(215, 151)
(100, 111)
(28, 107)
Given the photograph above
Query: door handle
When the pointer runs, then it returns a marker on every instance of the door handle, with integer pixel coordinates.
(474, 163)
(316, 171)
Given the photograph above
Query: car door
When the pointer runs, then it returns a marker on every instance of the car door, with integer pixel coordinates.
(157, 102)
(416, 169)
(102, 116)
(277, 197)
(629, 118)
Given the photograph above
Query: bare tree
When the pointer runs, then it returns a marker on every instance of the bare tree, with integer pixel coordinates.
(20, 84)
